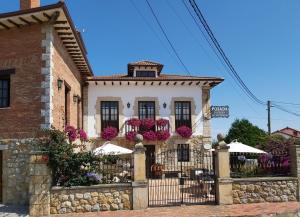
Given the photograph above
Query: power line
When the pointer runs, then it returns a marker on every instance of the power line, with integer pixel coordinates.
(166, 36)
(222, 53)
(285, 110)
(153, 30)
(287, 103)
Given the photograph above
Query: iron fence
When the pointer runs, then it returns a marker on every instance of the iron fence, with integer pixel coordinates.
(258, 165)
(115, 169)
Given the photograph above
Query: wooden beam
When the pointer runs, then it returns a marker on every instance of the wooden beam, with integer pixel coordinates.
(136, 83)
(14, 23)
(54, 17)
(205, 83)
(112, 83)
(72, 46)
(182, 83)
(104, 83)
(190, 83)
(61, 22)
(62, 28)
(120, 83)
(65, 33)
(69, 42)
(72, 50)
(159, 83)
(5, 26)
(67, 38)
(25, 21)
(75, 54)
(128, 83)
(167, 83)
(96, 82)
(36, 19)
(152, 83)
(198, 83)
(175, 82)
(144, 83)
(47, 16)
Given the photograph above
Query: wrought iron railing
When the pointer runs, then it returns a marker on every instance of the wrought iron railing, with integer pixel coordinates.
(115, 169)
(140, 129)
(258, 165)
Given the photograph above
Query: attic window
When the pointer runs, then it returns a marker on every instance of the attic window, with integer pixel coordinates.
(145, 74)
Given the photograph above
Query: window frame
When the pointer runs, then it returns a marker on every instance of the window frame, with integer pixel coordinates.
(183, 153)
(4, 78)
(139, 111)
(145, 73)
(180, 122)
(106, 123)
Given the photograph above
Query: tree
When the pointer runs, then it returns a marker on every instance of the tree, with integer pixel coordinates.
(245, 132)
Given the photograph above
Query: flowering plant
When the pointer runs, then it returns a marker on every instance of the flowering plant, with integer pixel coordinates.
(71, 133)
(134, 122)
(149, 135)
(93, 177)
(148, 123)
(162, 135)
(82, 135)
(184, 131)
(109, 133)
(162, 122)
(130, 135)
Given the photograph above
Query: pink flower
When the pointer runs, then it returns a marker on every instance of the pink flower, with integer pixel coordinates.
(82, 135)
(109, 133)
(162, 135)
(162, 122)
(184, 131)
(130, 135)
(71, 133)
(149, 135)
(148, 123)
(134, 122)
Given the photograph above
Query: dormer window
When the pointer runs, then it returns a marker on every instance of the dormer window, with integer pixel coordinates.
(140, 73)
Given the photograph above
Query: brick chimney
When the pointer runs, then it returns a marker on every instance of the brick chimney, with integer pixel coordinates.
(27, 4)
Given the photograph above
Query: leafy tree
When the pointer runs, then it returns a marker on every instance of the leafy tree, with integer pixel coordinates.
(245, 132)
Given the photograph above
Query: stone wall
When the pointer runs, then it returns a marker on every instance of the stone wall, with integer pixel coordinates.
(16, 170)
(260, 190)
(91, 198)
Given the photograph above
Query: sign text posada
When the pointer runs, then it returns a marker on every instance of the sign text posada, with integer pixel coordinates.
(219, 111)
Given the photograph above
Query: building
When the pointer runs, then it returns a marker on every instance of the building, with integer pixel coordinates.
(46, 82)
(43, 65)
(144, 92)
(288, 133)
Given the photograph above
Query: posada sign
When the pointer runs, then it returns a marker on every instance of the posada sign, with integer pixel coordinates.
(219, 111)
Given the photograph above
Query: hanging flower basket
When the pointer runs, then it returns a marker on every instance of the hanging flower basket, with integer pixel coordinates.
(109, 133)
(130, 135)
(148, 123)
(162, 135)
(162, 122)
(150, 135)
(134, 122)
(184, 131)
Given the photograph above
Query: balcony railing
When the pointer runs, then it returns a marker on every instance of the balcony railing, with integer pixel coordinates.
(140, 128)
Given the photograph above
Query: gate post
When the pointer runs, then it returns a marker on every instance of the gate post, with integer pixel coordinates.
(222, 170)
(295, 165)
(140, 185)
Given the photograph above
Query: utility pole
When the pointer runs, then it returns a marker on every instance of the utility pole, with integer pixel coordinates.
(269, 117)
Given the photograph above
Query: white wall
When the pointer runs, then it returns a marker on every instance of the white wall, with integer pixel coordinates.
(128, 94)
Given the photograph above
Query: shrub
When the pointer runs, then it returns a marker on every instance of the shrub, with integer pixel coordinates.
(148, 123)
(184, 131)
(162, 122)
(130, 135)
(134, 122)
(149, 135)
(109, 133)
(162, 135)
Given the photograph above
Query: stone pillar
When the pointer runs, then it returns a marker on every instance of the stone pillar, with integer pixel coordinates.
(39, 185)
(295, 165)
(206, 115)
(222, 170)
(140, 185)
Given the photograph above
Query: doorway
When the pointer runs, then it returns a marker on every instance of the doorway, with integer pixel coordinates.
(67, 104)
(150, 159)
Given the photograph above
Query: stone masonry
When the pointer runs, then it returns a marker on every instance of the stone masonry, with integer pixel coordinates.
(91, 198)
(260, 190)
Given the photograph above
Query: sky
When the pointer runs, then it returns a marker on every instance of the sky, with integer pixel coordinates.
(261, 39)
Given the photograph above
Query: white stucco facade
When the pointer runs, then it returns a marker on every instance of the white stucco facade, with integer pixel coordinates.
(128, 94)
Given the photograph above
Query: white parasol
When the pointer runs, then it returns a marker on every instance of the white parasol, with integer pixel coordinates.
(111, 149)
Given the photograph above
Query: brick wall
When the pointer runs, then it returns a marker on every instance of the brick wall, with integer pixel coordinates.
(65, 69)
(21, 50)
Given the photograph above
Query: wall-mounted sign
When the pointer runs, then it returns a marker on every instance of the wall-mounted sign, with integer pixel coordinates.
(219, 111)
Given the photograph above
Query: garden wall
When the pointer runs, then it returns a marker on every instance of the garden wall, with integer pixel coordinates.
(95, 198)
(267, 189)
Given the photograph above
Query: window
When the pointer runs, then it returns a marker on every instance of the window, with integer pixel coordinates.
(183, 152)
(183, 114)
(145, 73)
(109, 114)
(146, 109)
(4, 91)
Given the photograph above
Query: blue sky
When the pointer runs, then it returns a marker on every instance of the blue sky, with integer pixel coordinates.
(261, 38)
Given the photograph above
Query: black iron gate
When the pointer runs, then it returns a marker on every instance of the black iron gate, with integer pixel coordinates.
(181, 176)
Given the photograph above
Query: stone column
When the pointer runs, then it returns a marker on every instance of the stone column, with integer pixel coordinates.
(206, 115)
(140, 185)
(222, 170)
(295, 165)
(39, 185)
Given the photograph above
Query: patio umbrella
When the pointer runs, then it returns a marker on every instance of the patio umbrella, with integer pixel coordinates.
(111, 149)
(236, 146)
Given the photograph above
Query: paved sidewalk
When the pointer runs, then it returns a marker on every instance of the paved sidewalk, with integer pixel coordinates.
(202, 210)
